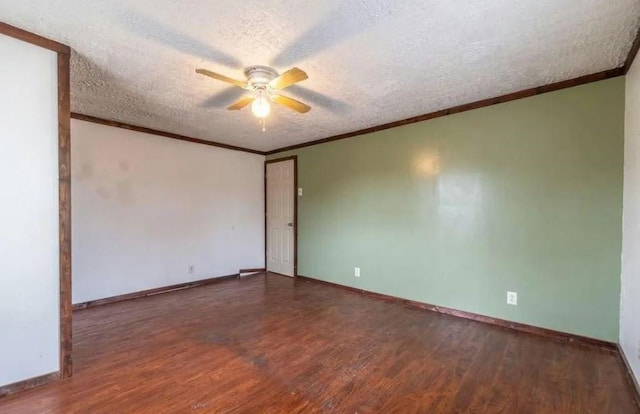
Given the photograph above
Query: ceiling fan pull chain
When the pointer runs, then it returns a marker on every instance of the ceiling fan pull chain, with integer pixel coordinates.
(261, 81)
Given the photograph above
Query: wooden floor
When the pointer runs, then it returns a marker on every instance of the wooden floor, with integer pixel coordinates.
(272, 345)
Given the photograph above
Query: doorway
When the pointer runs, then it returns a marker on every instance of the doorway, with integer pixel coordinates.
(281, 221)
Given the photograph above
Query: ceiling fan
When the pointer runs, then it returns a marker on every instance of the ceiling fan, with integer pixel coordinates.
(263, 82)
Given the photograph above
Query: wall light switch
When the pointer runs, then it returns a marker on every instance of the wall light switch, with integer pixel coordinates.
(300, 192)
(512, 298)
(356, 272)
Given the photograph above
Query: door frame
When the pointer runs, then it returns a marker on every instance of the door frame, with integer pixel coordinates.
(295, 210)
(64, 199)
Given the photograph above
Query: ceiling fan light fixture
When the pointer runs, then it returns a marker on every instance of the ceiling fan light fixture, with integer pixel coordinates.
(262, 81)
(260, 106)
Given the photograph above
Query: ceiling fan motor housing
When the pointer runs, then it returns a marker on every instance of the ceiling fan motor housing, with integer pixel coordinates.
(258, 77)
(264, 82)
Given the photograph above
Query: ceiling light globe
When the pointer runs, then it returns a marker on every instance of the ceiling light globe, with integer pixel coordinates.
(260, 108)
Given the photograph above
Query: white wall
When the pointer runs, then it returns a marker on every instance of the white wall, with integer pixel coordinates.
(29, 278)
(145, 208)
(630, 297)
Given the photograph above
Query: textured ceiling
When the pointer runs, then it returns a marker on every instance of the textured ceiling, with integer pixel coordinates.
(369, 62)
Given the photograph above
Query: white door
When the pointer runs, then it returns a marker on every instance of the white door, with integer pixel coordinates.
(280, 217)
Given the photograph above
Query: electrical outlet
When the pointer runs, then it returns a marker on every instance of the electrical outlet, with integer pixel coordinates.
(512, 298)
(191, 268)
(300, 192)
(356, 272)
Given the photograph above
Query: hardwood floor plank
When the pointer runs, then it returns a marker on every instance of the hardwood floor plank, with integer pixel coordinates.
(269, 344)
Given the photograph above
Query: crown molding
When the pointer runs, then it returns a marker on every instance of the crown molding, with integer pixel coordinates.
(633, 52)
(34, 39)
(151, 131)
(594, 77)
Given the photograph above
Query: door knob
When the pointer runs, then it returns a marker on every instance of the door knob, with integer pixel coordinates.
(290, 224)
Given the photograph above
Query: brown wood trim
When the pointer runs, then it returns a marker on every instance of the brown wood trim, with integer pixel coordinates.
(295, 216)
(34, 39)
(253, 270)
(27, 384)
(633, 52)
(466, 107)
(153, 292)
(151, 131)
(295, 210)
(548, 333)
(271, 273)
(64, 195)
(631, 379)
(265, 215)
(64, 199)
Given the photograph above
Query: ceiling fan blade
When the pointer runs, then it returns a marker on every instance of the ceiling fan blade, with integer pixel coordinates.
(222, 78)
(291, 103)
(241, 103)
(288, 78)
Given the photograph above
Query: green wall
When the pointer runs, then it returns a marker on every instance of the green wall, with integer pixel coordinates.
(455, 211)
